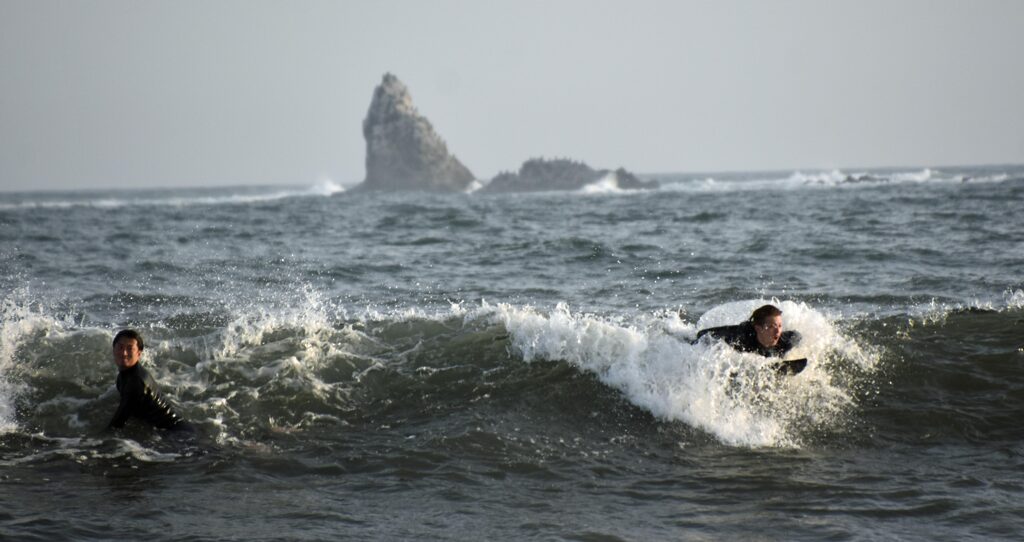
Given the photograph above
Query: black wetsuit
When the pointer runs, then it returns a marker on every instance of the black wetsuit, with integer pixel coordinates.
(140, 399)
(743, 337)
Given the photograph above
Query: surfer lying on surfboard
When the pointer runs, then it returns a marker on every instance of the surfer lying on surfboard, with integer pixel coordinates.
(761, 334)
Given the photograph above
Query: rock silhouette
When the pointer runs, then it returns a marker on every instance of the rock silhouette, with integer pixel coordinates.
(539, 174)
(403, 152)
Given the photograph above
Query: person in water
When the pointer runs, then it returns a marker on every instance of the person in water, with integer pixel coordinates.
(761, 334)
(139, 396)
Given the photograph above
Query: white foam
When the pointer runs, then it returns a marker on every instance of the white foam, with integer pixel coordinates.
(18, 321)
(1015, 299)
(708, 385)
(997, 178)
(326, 187)
(835, 178)
(705, 185)
(140, 452)
(921, 176)
(474, 186)
(609, 184)
(719, 185)
(250, 330)
(936, 312)
(74, 448)
(866, 178)
(265, 352)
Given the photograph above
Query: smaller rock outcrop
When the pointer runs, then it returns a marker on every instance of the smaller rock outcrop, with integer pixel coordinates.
(539, 174)
(403, 152)
(850, 179)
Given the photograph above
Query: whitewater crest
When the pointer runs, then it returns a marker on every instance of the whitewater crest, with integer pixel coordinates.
(247, 374)
(20, 322)
(712, 387)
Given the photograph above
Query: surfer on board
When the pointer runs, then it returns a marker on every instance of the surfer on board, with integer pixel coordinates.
(761, 334)
(139, 395)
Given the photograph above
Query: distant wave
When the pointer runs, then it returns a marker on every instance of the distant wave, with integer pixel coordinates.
(225, 196)
(835, 178)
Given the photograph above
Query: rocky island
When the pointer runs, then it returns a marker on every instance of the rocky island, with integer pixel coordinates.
(538, 175)
(403, 152)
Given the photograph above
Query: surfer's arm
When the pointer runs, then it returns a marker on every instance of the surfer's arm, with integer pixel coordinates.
(790, 339)
(158, 412)
(121, 415)
(724, 332)
(127, 405)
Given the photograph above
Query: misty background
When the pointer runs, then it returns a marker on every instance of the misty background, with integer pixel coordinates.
(163, 94)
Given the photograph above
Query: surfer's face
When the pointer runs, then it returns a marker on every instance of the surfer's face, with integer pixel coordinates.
(769, 332)
(126, 353)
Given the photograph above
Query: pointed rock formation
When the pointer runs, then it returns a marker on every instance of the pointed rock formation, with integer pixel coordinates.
(538, 174)
(402, 150)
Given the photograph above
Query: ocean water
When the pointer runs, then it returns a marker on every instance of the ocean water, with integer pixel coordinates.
(517, 367)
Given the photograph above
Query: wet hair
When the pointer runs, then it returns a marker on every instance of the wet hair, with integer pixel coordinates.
(129, 334)
(763, 313)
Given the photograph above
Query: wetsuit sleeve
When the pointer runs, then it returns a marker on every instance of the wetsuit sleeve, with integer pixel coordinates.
(157, 412)
(790, 339)
(726, 333)
(734, 336)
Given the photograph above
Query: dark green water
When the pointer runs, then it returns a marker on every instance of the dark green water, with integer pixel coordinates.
(373, 366)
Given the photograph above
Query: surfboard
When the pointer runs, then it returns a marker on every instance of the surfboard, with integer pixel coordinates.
(789, 366)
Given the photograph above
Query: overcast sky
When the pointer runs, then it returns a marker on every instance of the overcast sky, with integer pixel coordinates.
(143, 94)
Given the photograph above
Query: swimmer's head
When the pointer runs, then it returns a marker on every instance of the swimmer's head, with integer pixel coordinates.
(767, 322)
(128, 348)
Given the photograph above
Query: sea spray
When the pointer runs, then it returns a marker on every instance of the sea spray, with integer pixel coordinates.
(1015, 299)
(250, 374)
(266, 358)
(727, 393)
(20, 321)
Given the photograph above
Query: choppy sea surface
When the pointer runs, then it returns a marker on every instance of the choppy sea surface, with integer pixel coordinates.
(518, 367)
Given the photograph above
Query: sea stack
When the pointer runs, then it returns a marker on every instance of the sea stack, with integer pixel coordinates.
(403, 152)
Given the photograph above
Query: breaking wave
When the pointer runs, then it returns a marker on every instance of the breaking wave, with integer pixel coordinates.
(830, 179)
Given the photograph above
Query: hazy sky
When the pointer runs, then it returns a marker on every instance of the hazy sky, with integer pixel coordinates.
(142, 94)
